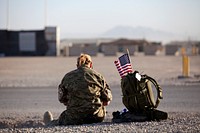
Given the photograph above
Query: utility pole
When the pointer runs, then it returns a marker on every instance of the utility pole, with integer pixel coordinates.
(45, 13)
(7, 15)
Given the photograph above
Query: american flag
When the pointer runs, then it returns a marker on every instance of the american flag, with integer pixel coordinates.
(123, 65)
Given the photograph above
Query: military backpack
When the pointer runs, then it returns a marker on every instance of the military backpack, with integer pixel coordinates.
(138, 94)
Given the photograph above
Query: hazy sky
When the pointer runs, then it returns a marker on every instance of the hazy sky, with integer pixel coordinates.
(98, 16)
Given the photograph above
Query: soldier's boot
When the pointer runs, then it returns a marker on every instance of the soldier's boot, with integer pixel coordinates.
(47, 118)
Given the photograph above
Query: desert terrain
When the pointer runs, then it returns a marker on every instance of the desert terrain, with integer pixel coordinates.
(28, 88)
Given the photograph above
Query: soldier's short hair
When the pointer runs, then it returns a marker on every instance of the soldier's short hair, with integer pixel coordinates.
(83, 59)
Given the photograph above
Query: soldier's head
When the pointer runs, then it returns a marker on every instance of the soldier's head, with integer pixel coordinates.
(84, 59)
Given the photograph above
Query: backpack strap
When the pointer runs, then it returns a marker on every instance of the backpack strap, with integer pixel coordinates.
(158, 88)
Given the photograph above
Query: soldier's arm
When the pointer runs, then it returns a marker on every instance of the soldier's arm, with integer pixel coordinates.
(62, 94)
(106, 95)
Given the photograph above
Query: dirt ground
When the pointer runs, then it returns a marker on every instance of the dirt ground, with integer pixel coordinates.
(48, 71)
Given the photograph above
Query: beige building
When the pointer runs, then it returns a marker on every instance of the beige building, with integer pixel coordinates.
(153, 48)
(77, 49)
(171, 49)
(121, 45)
(91, 49)
(109, 50)
(182, 48)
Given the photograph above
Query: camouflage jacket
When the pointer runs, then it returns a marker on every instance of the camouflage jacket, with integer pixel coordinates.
(83, 90)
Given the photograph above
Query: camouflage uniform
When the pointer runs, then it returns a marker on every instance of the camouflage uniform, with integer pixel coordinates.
(83, 90)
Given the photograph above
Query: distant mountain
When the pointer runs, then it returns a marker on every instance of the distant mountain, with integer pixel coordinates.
(140, 33)
(131, 33)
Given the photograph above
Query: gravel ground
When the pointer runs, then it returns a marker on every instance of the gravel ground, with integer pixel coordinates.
(22, 109)
(177, 122)
(28, 89)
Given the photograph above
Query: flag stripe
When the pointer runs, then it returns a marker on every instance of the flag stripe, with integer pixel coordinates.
(123, 65)
(125, 69)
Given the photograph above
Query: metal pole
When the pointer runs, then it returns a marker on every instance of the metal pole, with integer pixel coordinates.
(128, 54)
(7, 23)
(186, 66)
(45, 13)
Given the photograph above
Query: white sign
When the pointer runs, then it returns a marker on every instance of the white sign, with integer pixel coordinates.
(138, 76)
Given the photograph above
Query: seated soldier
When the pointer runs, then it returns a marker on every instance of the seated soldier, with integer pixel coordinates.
(85, 94)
